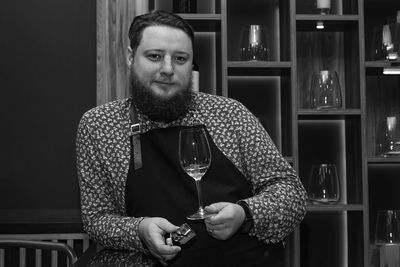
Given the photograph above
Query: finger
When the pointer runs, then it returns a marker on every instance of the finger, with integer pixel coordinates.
(168, 241)
(167, 226)
(168, 250)
(216, 227)
(215, 219)
(216, 207)
(169, 257)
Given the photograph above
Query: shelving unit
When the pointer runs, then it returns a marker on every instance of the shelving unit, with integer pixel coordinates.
(277, 92)
(382, 99)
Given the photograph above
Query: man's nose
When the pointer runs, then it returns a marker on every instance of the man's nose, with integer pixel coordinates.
(167, 67)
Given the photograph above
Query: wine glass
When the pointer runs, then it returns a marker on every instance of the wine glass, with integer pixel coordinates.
(387, 227)
(387, 237)
(253, 44)
(323, 186)
(388, 137)
(195, 159)
(324, 6)
(325, 90)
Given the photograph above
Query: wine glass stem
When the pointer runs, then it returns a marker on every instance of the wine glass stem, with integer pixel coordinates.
(199, 196)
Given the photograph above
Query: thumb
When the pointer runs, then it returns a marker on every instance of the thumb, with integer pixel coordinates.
(166, 226)
(216, 207)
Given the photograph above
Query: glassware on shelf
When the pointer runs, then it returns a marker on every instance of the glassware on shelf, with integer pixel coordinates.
(387, 237)
(253, 44)
(323, 185)
(388, 137)
(323, 6)
(184, 6)
(378, 48)
(325, 91)
(386, 41)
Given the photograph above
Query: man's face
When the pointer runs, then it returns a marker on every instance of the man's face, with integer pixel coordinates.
(163, 60)
(161, 71)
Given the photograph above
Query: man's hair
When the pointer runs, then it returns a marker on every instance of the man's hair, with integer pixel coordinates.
(156, 18)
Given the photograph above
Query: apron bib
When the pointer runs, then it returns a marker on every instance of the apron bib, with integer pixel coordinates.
(161, 188)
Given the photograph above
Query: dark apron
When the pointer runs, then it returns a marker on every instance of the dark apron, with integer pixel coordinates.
(162, 189)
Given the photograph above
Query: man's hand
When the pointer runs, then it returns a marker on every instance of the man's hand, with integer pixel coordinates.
(152, 232)
(227, 220)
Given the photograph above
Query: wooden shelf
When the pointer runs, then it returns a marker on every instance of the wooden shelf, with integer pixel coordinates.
(383, 160)
(335, 23)
(189, 17)
(204, 22)
(310, 17)
(338, 207)
(259, 68)
(260, 64)
(335, 113)
(382, 64)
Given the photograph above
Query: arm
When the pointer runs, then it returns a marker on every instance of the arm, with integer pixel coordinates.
(278, 205)
(103, 218)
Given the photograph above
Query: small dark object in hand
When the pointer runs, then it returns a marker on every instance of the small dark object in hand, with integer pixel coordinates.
(183, 235)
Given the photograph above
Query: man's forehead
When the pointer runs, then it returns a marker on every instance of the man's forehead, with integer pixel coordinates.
(162, 34)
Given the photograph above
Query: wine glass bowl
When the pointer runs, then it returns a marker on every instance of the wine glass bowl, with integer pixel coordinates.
(323, 185)
(388, 137)
(195, 159)
(387, 237)
(325, 91)
(253, 44)
(387, 229)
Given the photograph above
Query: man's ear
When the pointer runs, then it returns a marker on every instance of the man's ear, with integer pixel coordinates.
(129, 58)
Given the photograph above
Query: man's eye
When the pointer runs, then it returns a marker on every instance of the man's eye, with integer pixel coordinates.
(181, 60)
(154, 57)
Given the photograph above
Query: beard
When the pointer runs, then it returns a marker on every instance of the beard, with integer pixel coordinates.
(157, 108)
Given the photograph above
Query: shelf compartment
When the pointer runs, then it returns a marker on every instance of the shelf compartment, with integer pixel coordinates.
(271, 15)
(377, 14)
(332, 140)
(338, 7)
(268, 98)
(383, 100)
(332, 239)
(335, 50)
(208, 57)
(384, 180)
(203, 6)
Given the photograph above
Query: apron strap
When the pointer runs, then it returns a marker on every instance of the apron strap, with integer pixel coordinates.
(135, 139)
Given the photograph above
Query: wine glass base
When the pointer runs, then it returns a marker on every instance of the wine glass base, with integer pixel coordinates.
(199, 216)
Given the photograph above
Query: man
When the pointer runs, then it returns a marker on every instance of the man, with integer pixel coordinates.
(133, 191)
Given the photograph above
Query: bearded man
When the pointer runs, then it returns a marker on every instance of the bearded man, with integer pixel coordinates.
(134, 192)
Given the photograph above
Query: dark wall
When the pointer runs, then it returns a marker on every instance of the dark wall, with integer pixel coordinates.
(47, 81)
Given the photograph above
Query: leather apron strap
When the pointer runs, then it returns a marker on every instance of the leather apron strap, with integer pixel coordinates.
(136, 149)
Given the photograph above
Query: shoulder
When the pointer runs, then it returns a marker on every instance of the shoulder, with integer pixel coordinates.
(219, 104)
(104, 114)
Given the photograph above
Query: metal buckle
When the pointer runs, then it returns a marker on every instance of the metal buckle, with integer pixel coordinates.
(135, 129)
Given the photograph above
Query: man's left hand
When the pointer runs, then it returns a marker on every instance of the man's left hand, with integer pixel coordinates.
(227, 219)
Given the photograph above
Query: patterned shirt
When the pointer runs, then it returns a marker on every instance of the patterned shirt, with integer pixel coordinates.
(103, 156)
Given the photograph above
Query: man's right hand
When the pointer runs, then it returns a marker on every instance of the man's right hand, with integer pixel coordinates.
(152, 232)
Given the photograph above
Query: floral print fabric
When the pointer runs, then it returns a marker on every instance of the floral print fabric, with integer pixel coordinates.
(103, 156)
